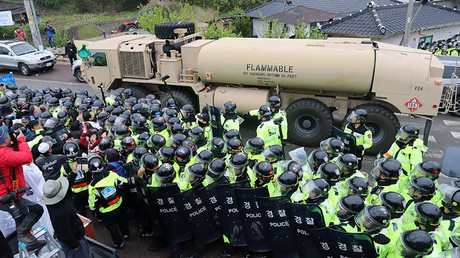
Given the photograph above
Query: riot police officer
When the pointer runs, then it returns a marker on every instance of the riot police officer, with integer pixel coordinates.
(363, 136)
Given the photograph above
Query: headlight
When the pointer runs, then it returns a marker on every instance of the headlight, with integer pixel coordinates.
(34, 60)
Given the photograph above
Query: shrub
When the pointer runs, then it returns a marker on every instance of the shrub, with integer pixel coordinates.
(88, 32)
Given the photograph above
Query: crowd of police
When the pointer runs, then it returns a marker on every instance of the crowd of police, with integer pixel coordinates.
(179, 174)
(448, 47)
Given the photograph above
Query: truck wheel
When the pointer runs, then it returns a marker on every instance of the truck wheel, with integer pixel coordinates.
(383, 124)
(309, 121)
(182, 97)
(139, 91)
(166, 30)
(79, 76)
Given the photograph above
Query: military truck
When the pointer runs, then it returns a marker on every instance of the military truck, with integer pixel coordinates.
(316, 79)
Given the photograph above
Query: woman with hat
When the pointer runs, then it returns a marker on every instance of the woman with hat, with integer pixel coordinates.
(67, 225)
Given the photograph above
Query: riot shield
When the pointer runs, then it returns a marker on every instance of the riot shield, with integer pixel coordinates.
(58, 138)
(174, 227)
(450, 162)
(229, 214)
(136, 197)
(333, 243)
(194, 211)
(303, 218)
(276, 220)
(214, 121)
(256, 234)
(210, 197)
(348, 139)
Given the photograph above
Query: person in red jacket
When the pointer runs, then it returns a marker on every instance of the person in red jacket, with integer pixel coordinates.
(11, 179)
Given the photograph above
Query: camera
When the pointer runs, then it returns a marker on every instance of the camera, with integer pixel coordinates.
(82, 160)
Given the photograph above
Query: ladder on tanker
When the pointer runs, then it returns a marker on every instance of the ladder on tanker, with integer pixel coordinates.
(51, 249)
(450, 102)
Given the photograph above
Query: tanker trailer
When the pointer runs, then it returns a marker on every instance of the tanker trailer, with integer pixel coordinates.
(313, 77)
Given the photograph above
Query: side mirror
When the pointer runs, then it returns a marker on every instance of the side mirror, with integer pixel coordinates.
(10, 53)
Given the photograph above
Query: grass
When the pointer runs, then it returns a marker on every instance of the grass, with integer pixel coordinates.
(88, 32)
(80, 19)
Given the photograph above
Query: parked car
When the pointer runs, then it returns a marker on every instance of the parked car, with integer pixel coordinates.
(22, 56)
(76, 70)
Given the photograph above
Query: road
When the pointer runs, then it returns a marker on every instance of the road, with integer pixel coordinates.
(445, 132)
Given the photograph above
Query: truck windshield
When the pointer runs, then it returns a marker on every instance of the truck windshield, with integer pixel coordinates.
(22, 49)
(99, 59)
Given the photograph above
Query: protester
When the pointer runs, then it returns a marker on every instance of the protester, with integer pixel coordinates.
(20, 34)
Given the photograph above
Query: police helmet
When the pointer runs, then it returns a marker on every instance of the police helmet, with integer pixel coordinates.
(128, 144)
(205, 157)
(198, 171)
(332, 146)
(150, 162)
(316, 158)
(274, 102)
(189, 143)
(156, 142)
(358, 115)
(407, 133)
(232, 133)
(288, 182)
(104, 144)
(183, 155)
(166, 154)
(254, 146)
(349, 206)
(166, 173)
(264, 171)
(234, 145)
(422, 186)
(229, 107)
(373, 217)
(142, 139)
(387, 171)
(126, 93)
(273, 153)
(238, 160)
(217, 168)
(96, 165)
(265, 111)
(158, 123)
(196, 133)
(358, 186)
(347, 163)
(330, 172)
(317, 189)
(71, 150)
(430, 169)
(217, 145)
(394, 202)
(414, 243)
(138, 153)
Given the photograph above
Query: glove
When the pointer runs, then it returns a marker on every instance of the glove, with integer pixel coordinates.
(381, 239)
(360, 148)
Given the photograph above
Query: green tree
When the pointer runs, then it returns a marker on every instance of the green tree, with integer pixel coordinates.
(274, 29)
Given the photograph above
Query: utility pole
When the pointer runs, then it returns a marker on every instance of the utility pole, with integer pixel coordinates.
(33, 23)
(410, 9)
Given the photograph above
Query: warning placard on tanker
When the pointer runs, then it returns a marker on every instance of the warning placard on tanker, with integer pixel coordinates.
(269, 73)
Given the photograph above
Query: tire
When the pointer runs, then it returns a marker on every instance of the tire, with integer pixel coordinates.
(309, 122)
(48, 68)
(166, 30)
(383, 124)
(140, 91)
(181, 96)
(24, 69)
(78, 75)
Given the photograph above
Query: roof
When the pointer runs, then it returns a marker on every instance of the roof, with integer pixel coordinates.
(342, 7)
(384, 21)
(302, 13)
(5, 6)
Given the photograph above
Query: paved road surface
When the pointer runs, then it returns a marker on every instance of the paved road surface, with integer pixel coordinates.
(445, 132)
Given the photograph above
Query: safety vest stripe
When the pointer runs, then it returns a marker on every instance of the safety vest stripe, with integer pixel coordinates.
(80, 185)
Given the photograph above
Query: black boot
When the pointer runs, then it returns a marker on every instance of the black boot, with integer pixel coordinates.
(31, 242)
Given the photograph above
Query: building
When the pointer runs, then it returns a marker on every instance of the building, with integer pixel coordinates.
(387, 23)
(18, 11)
(312, 12)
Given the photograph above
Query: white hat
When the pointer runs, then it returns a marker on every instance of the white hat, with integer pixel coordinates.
(55, 190)
(44, 147)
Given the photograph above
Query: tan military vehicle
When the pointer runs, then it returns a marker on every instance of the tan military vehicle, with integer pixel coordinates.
(313, 77)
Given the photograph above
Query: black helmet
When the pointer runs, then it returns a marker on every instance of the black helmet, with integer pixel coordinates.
(62, 116)
(232, 133)
(273, 153)
(330, 172)
(71, 150)
(264, 171)
(104, 144)
(122, 131)
(349, 206)
(139, 122)
(394, 202)
(430, 169)
(187, 109)
(166, 154)
(316, 158)
(357, 185)
(166, 173)
(317, 189)
(238, 160)
(156, 142)
(373, 218)
(67, 92)
(170, 113)
(126, 93)
(450, 197)
(332, 146)
(198, 171)
(142, 139)
(97, 105)
(414, 243)
(196, 134)
(293, 166)
(217, 168)
(347, 163)
(359, 114)
(274, 102)
(117, 111)
(110, 121)
(172, 122)
(96, 165)
(52, 102)
(387, 171)
(150, 97)
(254, 146)
(178, 138)
(4, 102)
(177, 128)
(217, 145)
(137, 108)
(229, 107)
(138, 153)
(205, 157)
(109, 109)
(407, 133)
(57, 93)
(288, 182)
(102, 116)
(35, 101)
(189, 143)
(50, 123)
(155, 110)
(424, 214)
(158, 123)
(150, 162)
(170, 103)
(128, 144)
(183, 155)
(422, 187)
(130, 102)
(265, 111)
(234, 145)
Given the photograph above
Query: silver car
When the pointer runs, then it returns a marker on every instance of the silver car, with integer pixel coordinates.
(18, 55)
